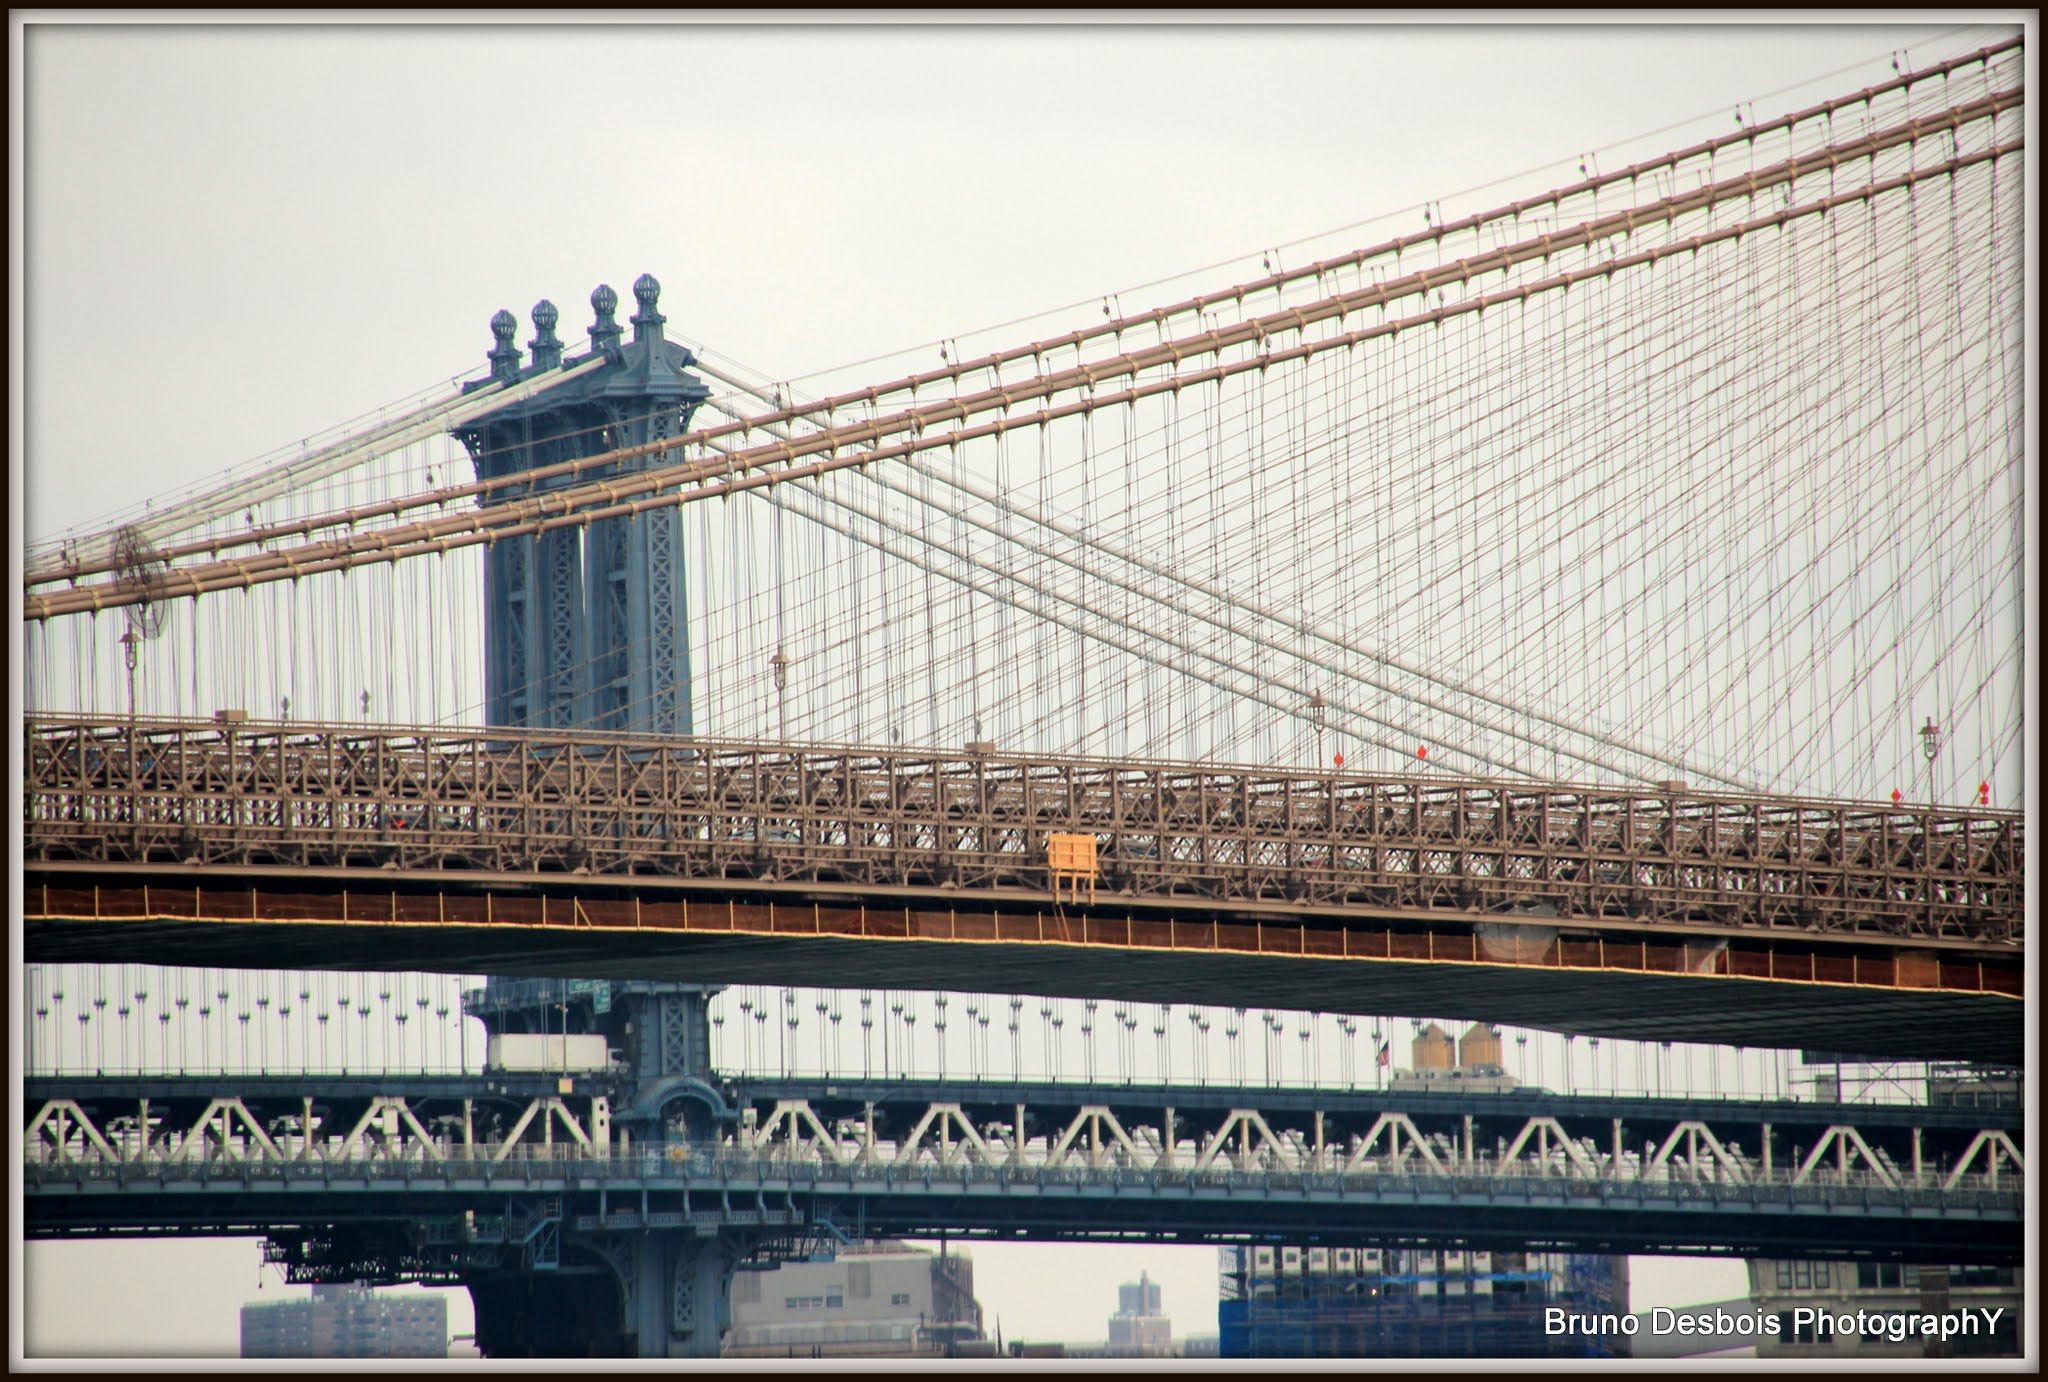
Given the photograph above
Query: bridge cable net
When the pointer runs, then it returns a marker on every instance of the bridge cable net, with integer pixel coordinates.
(114, 1019)
(1704, 469)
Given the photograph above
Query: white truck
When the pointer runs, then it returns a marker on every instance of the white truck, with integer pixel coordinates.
(527, 1052)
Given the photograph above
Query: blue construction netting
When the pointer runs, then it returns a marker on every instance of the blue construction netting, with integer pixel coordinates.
(1393, 1316)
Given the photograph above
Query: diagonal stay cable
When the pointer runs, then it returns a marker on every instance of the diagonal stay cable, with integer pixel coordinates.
(663, 487)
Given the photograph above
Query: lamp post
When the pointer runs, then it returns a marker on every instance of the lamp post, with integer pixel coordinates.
(778, 668)
(128, 642)
(1930, 744)
(1319, 712)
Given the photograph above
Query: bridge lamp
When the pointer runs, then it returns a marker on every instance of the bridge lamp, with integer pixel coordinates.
(778, 667)
(128, 642)
(1319, 712)
(1930, 744)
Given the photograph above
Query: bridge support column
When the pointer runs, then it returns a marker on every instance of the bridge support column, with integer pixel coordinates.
(552, 1315)
(681, 1283)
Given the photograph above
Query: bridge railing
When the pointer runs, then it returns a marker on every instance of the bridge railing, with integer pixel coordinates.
(238, 796)
(2003, 1198)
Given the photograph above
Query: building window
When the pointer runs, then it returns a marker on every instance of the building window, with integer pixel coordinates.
(899, 1298)
(835, 1302)
(1980, 1276)
(1784, 1276)
(1802, 1275)
(1820, 1275)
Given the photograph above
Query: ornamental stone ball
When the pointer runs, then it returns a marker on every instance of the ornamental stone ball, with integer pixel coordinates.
(504, 356)
(604, 332)
(547, 347)
(647, 322)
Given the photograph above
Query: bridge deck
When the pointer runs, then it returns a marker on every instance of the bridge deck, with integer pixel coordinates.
(1571, 907)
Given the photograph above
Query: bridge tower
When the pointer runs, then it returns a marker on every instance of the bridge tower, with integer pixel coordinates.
(668, 1289)
(587, 628)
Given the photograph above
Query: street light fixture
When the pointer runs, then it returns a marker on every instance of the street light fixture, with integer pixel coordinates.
(128, 642)
(1930, 744)
(778, 670)
(1319, 712)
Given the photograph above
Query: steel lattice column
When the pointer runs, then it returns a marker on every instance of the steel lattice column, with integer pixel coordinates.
(588, 627)
(634, 597)
(682, 1281)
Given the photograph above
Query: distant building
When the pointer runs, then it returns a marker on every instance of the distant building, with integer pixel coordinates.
(884, 1299)
(1810, 1298)
(1316, 1302)
(1139, 1328)
(350, 1321)
(1290, 1301)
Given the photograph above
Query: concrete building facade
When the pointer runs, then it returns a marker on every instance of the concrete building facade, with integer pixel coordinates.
(347, 1321)
(881, 1300)
(1819, 1305)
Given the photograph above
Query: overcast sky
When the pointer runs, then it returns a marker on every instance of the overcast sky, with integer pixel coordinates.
(237, 236)
(230, 237)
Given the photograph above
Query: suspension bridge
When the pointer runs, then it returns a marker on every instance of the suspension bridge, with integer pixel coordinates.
(1601, 612)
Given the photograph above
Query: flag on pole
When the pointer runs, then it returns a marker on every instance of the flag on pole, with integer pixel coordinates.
(1386, 1054)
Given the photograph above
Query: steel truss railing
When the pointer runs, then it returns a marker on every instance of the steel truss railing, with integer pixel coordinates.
(943, 1138)
(519, 801)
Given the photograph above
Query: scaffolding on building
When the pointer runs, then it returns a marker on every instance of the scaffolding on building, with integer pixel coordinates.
(1417, 1304)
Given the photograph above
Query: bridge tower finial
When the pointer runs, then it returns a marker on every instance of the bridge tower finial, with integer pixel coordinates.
(647, 322)
(546, 346)
(504, 356)
(604, 332)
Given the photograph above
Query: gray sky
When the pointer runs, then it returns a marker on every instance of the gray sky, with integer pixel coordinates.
(229, 237)
(240, 235)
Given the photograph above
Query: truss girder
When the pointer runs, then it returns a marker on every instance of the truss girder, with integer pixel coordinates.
(503, 801)
(315, 1131)
(946, 1136)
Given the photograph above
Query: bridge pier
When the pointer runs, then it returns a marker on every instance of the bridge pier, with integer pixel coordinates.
(680, 1291)
(661, 1293)
(557, 1315)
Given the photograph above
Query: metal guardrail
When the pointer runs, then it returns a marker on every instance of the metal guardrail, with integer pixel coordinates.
(1854, 1193)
